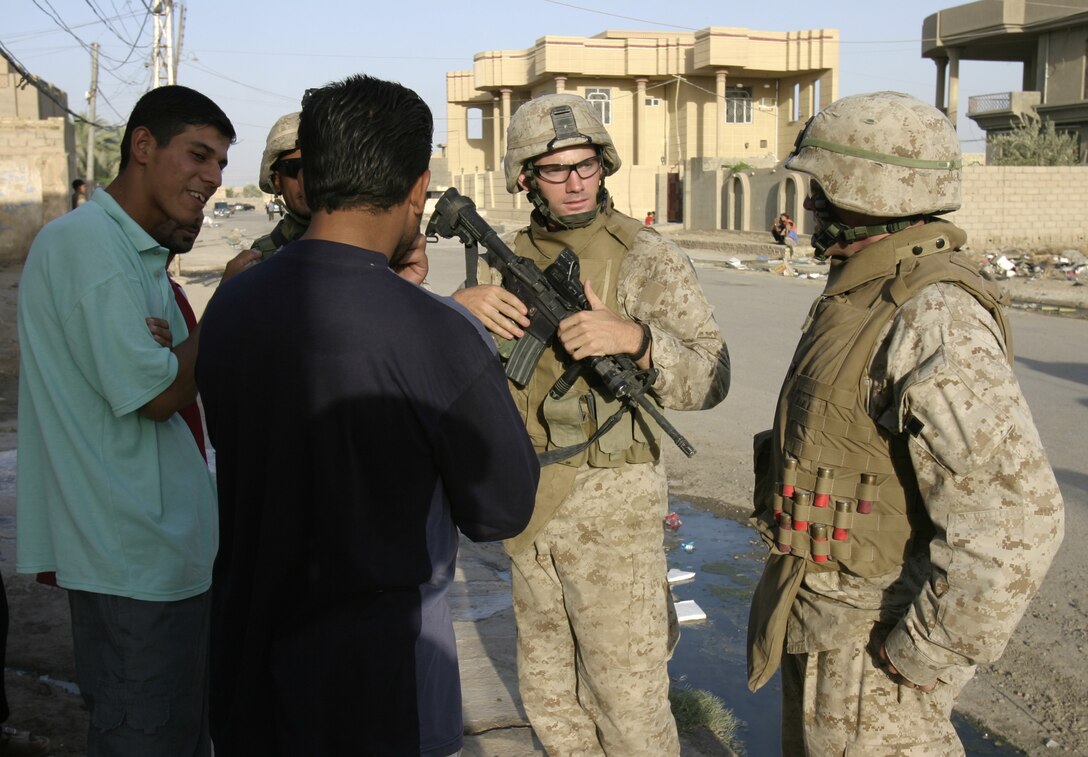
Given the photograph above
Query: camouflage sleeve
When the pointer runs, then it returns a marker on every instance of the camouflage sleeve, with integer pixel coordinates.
(983, 475)
(657, 286)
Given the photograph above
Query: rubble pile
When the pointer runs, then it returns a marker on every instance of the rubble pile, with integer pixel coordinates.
(1068, 265)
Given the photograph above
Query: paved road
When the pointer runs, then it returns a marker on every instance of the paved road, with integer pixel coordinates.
(761, 315)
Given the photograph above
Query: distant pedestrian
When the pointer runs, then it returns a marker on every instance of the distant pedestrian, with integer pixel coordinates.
(79, 193)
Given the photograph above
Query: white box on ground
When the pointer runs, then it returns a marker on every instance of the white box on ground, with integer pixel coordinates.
(687, 611)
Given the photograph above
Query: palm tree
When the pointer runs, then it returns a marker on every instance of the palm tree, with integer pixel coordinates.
(107, 151)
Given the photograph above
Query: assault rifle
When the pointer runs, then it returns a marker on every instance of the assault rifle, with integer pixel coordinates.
(550, 296)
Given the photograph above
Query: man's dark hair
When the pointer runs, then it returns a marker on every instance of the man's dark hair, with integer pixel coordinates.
(365, 142)
(78, 183)
(168, 111)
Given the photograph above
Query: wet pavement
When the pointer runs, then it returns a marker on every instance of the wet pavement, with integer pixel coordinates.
(727, 559)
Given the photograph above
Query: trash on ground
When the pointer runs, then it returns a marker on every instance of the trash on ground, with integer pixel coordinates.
(735, 262)
(672, 520)
(688, 610)
(687, 546)
(677, 576)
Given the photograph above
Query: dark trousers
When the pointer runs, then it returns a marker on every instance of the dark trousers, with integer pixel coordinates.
(142, 668)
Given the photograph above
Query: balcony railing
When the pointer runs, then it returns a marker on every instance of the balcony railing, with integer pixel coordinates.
(1016, 102)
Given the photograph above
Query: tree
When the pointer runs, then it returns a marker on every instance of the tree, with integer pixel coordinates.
(251, 190)
(1034, 142)
(107, 151)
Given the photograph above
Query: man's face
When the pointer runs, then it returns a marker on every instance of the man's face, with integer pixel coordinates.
(177, 238)
(182, 174)
(575, 194)
(287, 179)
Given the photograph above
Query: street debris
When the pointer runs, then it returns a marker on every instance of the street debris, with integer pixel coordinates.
(1068, 265)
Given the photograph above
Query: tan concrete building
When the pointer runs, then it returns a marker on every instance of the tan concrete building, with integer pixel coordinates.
(37, 159)
(1051, 41)
(673, 102)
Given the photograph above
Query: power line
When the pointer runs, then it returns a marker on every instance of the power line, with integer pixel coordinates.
(616, 15)
(45, 88)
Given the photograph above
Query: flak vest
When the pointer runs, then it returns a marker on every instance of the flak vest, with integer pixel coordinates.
(601, 248)
(287, 230)
(835, 490)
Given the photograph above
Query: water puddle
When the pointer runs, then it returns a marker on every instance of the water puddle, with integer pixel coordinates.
(727, 558)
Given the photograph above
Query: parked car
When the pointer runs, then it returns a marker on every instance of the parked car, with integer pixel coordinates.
(238, 206)
(221, 210)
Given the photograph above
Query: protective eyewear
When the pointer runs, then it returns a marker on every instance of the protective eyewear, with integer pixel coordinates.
(288, 167)
(559, 173)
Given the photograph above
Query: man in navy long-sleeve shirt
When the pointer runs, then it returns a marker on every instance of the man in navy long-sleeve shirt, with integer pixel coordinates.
(358, 423)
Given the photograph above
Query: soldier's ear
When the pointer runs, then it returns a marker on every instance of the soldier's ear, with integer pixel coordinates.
(523, 181)
(275, 176)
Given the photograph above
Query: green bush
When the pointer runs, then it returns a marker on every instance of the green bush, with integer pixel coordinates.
(1034, 142)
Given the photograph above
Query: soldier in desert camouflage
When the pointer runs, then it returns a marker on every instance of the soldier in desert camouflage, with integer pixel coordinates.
(904, 492)
(281, 164)
(590, 596)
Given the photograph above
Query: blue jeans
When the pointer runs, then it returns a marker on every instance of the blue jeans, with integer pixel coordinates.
(142, 668)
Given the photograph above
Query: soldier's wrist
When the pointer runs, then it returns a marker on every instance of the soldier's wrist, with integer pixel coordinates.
(644, 344)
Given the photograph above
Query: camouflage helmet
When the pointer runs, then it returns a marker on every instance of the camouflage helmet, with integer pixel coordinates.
(282, 138)
(884, 154)
(550, 123)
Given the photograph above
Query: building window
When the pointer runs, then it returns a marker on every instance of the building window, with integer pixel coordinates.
(738, 106)
(601, 100)
(653, 102)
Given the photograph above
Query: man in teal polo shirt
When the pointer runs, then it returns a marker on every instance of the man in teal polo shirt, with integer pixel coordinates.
(113, 494)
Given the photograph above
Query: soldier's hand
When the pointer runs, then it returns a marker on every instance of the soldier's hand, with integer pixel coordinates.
(501, 312)
(243, 260)
(599, 331)
(898, 677)
(160, 331)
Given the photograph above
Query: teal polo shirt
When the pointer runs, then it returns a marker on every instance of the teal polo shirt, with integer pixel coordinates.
(115, 503)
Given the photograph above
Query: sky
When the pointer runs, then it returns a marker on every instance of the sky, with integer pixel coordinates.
(255, 59)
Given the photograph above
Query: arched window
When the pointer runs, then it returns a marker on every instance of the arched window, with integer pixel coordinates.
(474, 126)
(601, 100)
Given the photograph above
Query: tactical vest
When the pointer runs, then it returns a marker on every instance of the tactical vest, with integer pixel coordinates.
(287, 230)
(601, 248)
(843, 494)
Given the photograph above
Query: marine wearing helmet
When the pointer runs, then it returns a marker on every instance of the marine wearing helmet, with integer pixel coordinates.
(903, 492)
(549, 124)
(879, 163)
(281, 166)
(602, 505)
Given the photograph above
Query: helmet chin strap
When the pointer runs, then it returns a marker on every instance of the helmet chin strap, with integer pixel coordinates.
(834, 230)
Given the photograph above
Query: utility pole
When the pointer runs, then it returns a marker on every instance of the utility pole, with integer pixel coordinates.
(92, 100)
(180, 37)
(162, 48)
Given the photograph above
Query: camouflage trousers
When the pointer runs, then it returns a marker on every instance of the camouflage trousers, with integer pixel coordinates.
(592, 609)
(839, 703)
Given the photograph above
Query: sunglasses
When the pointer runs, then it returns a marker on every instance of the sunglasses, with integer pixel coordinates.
(289, 167)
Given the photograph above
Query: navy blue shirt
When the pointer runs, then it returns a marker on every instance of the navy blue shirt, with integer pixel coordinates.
(358, 422)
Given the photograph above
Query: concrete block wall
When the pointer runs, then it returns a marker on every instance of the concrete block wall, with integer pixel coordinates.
(34, 180)
(1029, 207)
(1033, 208)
